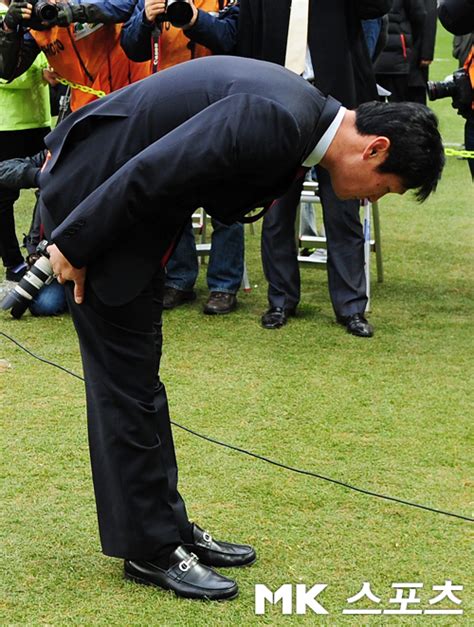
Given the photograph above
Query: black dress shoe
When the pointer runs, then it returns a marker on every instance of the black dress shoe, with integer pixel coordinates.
(357, 325)
(173, 298)
(216, 553)
(186, 577)
(220, 303)
(276, 317)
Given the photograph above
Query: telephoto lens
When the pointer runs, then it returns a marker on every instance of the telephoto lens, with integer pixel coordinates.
(178, 12)
(45, 11)
(441, 89)
(40, 274)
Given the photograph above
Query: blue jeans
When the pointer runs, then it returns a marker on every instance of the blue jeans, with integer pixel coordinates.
(226, 259)
(50, 301)
(372, 30)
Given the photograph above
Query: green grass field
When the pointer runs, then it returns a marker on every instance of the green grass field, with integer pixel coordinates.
(391, 414)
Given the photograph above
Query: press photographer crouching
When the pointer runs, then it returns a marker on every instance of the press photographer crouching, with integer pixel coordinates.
(37, 290)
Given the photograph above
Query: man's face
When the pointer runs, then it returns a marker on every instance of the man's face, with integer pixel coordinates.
(365, 181)
(356, 175)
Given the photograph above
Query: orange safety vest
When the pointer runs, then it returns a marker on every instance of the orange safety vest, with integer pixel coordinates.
(176, 48)
(90, 55)
(469, 67)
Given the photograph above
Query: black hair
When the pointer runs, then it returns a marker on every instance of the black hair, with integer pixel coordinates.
(416, 152)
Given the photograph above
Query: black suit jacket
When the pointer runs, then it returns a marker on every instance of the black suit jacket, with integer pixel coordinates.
(127, 171)
(339, 53)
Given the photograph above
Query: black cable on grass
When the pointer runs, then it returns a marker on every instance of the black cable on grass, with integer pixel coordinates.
(261, 457)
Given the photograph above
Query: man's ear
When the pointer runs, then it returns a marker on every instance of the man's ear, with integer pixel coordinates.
(377, 148)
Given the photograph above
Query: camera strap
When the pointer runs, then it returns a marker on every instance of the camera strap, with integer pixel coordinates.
(155, 46)
(79, 58)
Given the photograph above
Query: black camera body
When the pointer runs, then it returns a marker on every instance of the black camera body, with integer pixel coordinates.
(458, 87)
(44, 11)
(39, 275)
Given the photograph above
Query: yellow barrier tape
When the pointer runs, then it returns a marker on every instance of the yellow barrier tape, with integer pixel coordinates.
(466, 154)
(86, 90)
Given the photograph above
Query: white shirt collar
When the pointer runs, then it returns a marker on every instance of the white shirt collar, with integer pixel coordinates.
(323, 144)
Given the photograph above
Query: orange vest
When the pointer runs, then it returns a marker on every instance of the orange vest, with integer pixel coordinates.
(176, 48)
(469, 67)
(90, 55)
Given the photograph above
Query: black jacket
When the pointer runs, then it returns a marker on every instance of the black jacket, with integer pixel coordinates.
(405, 25)
(127, 171)
(21, 173)
(338, 50)
(259, 30)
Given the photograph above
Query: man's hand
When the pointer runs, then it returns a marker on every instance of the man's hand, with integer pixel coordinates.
(64, 271)
(50, 77)
(153, 8)
(16, 14)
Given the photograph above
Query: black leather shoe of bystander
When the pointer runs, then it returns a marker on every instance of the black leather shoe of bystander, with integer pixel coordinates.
(276, 317)
(356, 324)
(174, 298)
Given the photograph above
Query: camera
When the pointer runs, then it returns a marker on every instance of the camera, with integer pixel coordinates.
(40, 274)
(178, 13)
(44, 10)
(457, 86)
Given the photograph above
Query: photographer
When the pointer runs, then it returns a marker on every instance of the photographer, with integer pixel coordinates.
(81, 43)
(23, 173)
(457, 16)
(205, 32)
(226, 260)
(25, 120)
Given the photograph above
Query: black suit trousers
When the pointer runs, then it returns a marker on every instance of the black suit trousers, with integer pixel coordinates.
(133, 460)
(345, 244)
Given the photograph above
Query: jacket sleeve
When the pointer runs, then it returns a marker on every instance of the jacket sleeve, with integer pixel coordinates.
(219, 34)
(429, 31)
(21, 173)
(370, 9)
(166, 180)
(18, 50)
(32, 78)
(416, 13)
(106, 11)
(135, 37)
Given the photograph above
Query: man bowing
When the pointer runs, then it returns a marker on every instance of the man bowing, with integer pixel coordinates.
(124, 175)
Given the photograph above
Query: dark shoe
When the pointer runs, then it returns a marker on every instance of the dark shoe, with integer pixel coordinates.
(10, 275)
(173, 298)
(215, 553)
(220, 303)
(186, 577)
(276, 317)
(357, 325)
